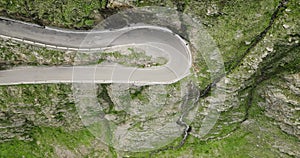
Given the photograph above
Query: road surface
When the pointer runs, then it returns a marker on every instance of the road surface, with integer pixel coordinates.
(153, 39)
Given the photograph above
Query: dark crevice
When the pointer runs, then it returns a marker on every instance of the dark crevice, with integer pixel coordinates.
(273, 67)
(267, 72)
(249, 103)
(188, 103)
(180, 5)
(248, 106)
(105, 96)
(206, 91)
(258, 38)
(267, 69)
(264, 76)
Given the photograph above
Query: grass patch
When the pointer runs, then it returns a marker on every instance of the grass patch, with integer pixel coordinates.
(68, 13)
(45, 140)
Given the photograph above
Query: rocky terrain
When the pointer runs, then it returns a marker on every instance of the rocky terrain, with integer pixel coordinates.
(258, 111)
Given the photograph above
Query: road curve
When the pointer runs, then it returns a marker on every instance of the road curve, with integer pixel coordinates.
(153, 39)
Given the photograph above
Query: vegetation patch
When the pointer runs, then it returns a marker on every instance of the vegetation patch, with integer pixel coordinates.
(76, 14)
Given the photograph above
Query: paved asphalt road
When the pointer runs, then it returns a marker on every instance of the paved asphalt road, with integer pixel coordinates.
(153, 39)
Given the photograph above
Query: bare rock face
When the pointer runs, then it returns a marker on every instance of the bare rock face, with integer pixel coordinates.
(270, 70)
(115, 3)
(282, 103)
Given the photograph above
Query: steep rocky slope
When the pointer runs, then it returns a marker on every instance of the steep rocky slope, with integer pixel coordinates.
(259, 41)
